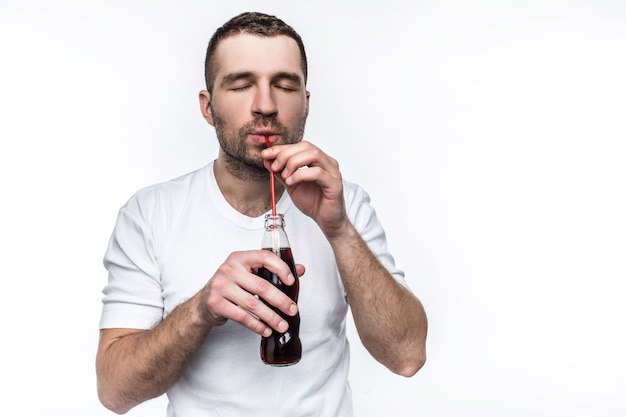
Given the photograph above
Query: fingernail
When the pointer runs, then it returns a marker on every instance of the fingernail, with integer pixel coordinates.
(291, 279)
(293, 309)
(283, 326)
(267, 332)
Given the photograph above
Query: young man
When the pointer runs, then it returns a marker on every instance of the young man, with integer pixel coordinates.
(181, 310)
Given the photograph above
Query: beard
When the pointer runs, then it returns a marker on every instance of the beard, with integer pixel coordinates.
(242, 160)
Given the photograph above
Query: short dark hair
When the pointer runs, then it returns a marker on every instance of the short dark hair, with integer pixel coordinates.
(253, 23)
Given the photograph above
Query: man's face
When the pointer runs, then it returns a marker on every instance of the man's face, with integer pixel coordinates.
(259, 90)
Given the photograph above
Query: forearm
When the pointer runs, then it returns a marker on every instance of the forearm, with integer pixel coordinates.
(134, 366)
(389, 318)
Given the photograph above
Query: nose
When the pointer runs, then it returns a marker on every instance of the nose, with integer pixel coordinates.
(264, 103)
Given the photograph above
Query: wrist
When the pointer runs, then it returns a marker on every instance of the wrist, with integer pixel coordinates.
(342, 233)
(200, 314)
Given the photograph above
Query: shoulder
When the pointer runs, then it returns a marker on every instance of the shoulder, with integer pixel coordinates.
(354, 195)
(168, 196)
(360, 210)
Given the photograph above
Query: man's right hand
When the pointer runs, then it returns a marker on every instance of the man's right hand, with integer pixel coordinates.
(235, 291)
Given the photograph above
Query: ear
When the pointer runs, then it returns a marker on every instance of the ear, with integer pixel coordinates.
(308, 96)
(205, 106)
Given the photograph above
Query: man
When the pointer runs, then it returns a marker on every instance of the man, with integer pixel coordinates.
(181, 310)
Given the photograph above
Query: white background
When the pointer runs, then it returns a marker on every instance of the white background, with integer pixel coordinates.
(490, 135)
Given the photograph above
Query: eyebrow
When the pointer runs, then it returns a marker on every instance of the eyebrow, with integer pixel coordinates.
(290, 76)
(236, 76)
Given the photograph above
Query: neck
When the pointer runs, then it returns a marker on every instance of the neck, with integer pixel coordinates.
(247, 192)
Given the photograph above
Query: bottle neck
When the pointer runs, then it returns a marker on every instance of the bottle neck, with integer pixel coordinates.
(275, 238)
(275, 222)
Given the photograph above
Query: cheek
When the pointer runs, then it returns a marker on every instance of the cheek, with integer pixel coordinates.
(232, 110)
(294, 109)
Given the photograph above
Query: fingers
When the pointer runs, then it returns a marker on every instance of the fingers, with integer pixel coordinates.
(300, 270)
(313, 181)
(236, 293)
(287, 160)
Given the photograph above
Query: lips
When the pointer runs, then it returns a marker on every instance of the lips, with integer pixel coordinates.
(259, 137)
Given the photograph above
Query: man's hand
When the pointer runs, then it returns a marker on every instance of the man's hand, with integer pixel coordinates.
(313, 180)
(233, 293)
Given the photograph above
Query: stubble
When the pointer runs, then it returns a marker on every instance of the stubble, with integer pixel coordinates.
(242, 160)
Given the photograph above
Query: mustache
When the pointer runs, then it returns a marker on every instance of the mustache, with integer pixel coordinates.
(265, 122)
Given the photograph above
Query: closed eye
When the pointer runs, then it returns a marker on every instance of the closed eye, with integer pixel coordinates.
(287, 81)
(238, 81)
(286, 87)
(240, 87)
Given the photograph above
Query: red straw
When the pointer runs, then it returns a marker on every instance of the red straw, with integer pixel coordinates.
(272, 186)
(276, 249)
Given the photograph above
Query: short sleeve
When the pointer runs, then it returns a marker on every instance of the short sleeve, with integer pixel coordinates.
(363, 217)
(133, 295)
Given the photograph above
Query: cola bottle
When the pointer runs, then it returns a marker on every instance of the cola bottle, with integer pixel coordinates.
(281, 349)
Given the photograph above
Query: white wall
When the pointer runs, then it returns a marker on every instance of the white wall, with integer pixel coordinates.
(489, 133)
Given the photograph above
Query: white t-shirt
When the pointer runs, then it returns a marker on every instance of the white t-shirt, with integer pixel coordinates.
(169, 240)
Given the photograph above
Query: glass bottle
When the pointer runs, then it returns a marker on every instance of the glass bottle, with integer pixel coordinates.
(281, 349)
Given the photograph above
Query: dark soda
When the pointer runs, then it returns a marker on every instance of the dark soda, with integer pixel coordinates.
(282, 349)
